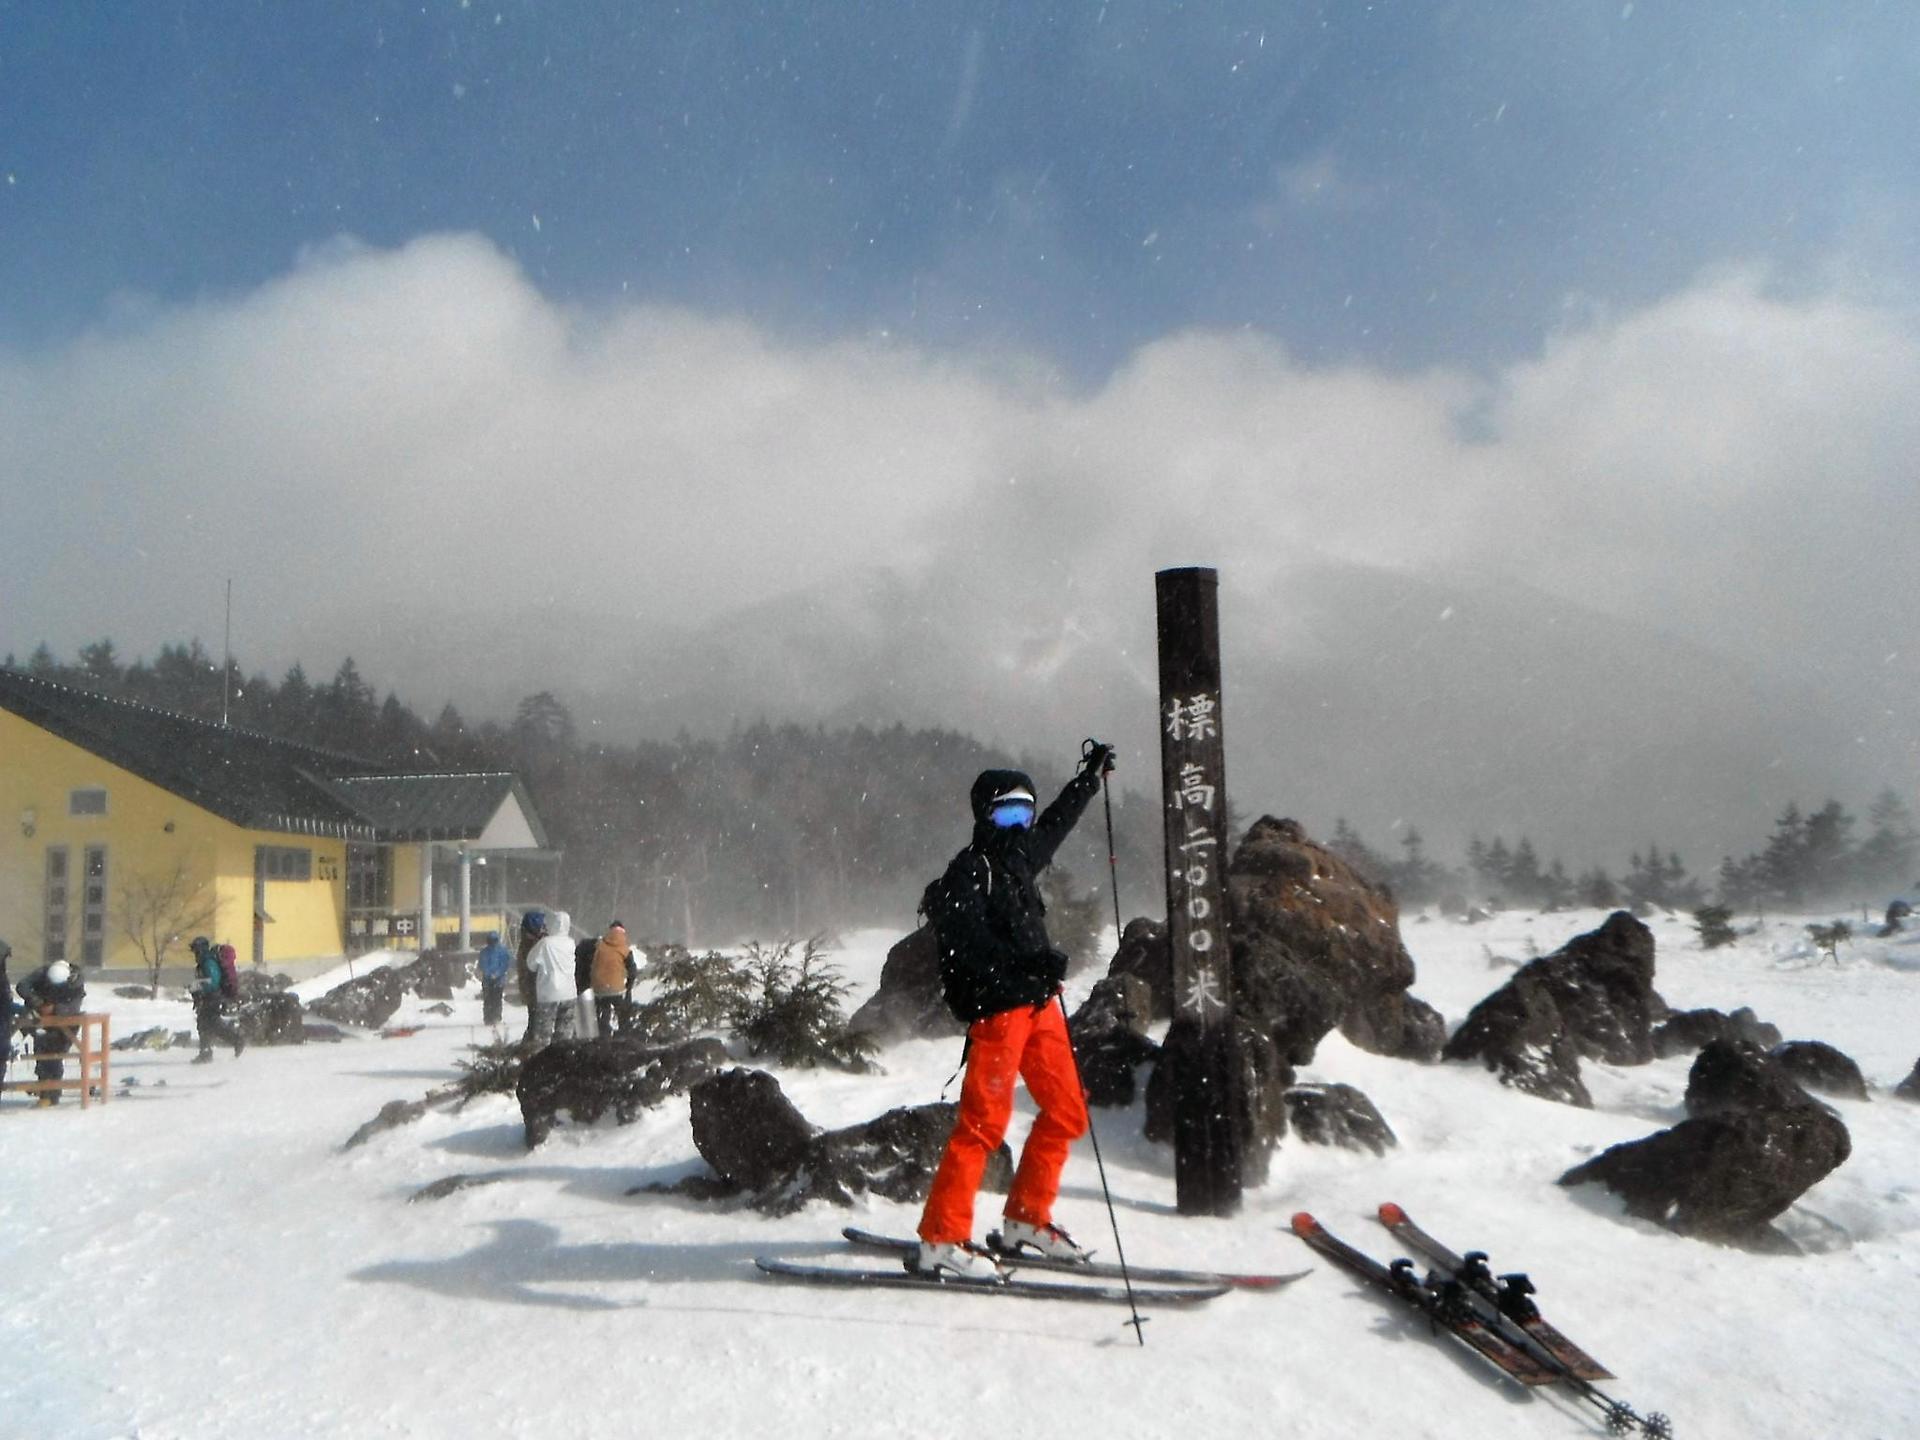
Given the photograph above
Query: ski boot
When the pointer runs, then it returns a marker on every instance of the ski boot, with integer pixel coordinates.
(1017, 1237)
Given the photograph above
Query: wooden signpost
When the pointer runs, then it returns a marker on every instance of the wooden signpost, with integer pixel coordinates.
(1201, 1044)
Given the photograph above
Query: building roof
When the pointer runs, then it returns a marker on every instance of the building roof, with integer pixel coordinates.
(262, 783)
(443, 807)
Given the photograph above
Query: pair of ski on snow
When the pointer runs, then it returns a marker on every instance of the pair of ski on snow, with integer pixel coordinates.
(1494, 1315)
(1152, 1285)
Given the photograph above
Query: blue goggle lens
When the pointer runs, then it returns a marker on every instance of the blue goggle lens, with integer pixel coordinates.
(1012, 814)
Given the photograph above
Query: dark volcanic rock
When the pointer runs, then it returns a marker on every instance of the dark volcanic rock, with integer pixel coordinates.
(1338, 1115)
(271, 1017)
(1820, 1067)
(893, 1156)
(586, 1079)
(1251, 1083)
(1110, 1038)
(435, 974)
(1145, 955)
(1909, 1088)
(367, 1000)
(1316, 944)
(1688, 1030)
(747, 1130)
(908, 1000)
(1730, 1076)
(393, 1114)
(1723, 1176)
(1591, 999)
(759, 1144)
(1520, 1035)
(450, 1185)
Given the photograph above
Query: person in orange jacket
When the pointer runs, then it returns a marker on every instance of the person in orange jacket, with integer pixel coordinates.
(611, 976)
(1002, 974)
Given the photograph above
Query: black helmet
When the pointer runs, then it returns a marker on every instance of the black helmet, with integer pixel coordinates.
(200, 942)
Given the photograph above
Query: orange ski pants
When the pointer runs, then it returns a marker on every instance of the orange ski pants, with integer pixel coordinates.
(1030, 1042)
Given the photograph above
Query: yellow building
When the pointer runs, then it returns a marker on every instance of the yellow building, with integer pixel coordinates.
(123, 828)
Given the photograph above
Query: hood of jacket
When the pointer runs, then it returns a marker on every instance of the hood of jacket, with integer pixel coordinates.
(988, 787)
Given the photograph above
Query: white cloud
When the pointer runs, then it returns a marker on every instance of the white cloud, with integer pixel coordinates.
(423, 423)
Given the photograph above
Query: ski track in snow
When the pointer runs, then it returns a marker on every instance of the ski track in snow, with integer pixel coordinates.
(199, 1259)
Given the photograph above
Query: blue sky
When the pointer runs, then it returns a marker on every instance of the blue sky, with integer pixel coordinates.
(1399, 184)
(392, 313)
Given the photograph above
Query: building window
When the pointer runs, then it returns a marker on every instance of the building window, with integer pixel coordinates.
(369, 877)
(87, 802)
(284, 862)
(56, 907)
(93, 906)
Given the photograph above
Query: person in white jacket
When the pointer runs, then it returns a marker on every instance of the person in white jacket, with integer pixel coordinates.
(550, 963)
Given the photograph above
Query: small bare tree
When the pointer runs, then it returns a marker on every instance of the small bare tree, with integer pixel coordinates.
(157, 908)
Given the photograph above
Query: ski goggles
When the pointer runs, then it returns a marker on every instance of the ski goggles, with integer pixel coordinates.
(1013, 813)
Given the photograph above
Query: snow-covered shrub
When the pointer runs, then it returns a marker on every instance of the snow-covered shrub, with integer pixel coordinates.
(693, 994)
(792, 1013)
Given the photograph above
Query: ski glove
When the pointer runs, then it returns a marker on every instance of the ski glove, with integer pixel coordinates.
(1097, 760)
(1053, 965)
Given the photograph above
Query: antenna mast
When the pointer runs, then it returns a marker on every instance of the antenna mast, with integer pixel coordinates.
(226, 658)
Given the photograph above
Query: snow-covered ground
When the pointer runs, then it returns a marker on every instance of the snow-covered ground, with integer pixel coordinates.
(199, 1259)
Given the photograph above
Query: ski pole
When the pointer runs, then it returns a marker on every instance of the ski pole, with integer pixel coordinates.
(1113, 1222)
(1113, 862)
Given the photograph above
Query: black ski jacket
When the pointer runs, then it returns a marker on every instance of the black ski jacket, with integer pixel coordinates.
(40, 992)
(993, 934)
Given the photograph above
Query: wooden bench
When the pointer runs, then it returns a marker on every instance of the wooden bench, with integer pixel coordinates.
(92, 1053)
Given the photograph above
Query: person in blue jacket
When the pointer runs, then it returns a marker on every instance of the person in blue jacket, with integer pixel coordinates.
(495, 961)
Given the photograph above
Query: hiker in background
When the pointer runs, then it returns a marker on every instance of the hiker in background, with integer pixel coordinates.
(215, 987)
(6, 1003)
(554, 992)
(611, 973)
(533, 929)
(54, 989)
(495, 961)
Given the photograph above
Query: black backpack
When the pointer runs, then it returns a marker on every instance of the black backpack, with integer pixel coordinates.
(939, 904)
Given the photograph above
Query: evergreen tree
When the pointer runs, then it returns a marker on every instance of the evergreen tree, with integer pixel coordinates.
(1827, 855)
(1714, 925)
(1595, 888)
(1890, 855)
(101, 667)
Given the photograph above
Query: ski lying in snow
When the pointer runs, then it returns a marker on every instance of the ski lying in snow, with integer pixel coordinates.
(1399, 1281)
(1503, 1302)
(1509, 1294)
(1012, 1285)
(1096, 1269)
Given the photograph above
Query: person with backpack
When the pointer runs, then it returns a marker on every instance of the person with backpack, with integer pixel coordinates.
(1002, 975)
(216, 984)
(53, 989)
(494, 963)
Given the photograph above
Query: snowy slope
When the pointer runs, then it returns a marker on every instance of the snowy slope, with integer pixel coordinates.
(200, 1259)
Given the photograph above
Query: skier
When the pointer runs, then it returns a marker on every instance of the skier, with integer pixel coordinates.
(611, 975)
(54, 989)
(1002, 975)
(210, 996)
(550, 963)
(495, 961)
